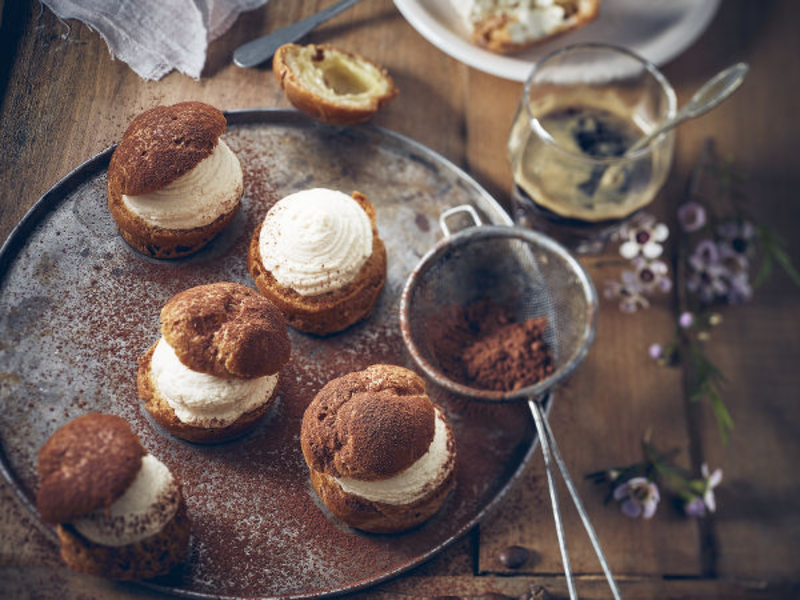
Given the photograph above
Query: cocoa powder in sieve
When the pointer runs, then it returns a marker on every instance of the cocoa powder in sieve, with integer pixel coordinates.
(482, 346)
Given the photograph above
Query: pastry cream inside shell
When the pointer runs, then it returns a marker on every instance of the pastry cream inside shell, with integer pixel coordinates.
(142, 511)
(412, 483)
(335, 75)
(315, 241)
(195, 199)
(201, 399)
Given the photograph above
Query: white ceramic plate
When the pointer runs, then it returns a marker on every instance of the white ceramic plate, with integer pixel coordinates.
(658, 30)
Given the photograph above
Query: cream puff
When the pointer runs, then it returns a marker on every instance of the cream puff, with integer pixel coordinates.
(214, 372)
(381, 455)
(173, 183)
(331, 85)
(318, 257)
(119, 510)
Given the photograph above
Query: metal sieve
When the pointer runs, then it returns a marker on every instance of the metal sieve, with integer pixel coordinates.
(532, 276)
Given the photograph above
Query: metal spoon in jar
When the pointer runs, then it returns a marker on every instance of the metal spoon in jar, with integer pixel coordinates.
(713, 92)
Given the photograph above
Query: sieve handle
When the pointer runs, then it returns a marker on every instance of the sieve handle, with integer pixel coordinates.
(456, 210)
(541, 429)
(581, 510)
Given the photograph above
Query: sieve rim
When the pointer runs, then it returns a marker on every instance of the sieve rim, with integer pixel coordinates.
(482, 232)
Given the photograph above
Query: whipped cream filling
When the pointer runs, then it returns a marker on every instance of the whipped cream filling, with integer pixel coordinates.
(413, 483)
(315, 241)
(196, 198)
(142, 511)
(529, 19)
(201, 399)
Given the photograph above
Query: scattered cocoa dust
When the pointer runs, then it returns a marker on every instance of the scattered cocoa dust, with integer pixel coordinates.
(482, 346)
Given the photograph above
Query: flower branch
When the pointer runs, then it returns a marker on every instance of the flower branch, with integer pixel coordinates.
(637, 487)
(718, 245)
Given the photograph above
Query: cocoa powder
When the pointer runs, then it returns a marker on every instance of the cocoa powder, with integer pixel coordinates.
(481, 345)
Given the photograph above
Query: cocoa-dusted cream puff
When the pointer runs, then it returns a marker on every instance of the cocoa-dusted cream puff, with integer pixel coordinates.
(214, 372)
(318, 257)
(173, 183)
(381, 455)
(119, 510)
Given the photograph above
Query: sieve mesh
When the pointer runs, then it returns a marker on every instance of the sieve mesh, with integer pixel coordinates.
(529, 276)
(527, 273)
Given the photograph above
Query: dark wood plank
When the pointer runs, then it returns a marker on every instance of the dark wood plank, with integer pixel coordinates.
(59, 583)
(757, 346)
(589, 588)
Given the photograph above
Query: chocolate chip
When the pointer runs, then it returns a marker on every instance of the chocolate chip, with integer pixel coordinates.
(514, 557)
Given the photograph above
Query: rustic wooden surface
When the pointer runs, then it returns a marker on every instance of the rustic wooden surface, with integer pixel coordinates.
(64, 99)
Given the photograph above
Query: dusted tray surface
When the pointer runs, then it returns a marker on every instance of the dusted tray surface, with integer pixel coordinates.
(78, 307)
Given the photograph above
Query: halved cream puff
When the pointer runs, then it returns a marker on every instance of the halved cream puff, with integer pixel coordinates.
(332, 85)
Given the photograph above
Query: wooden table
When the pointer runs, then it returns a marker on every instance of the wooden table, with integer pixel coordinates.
(64, 99)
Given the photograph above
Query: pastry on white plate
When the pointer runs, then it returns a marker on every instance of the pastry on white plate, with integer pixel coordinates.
(507, 26)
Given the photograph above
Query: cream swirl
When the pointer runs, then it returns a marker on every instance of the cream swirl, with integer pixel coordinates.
(201, 399)
(414, 482)
(195, 199)
(315, 241)
(142, 511)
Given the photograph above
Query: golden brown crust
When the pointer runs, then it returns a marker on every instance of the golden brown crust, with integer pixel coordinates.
(334, 311)
(165, 416)
(85, 465)
(227, 330)
(158, 242)
(493, 32)
(163, 143)
(376, 517)
(151, 557)
(369, 424)
(331, 108)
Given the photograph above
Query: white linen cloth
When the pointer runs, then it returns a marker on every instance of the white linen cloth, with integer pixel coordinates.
(156, 36)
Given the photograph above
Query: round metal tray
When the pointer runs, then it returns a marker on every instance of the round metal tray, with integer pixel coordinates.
(78, 306)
